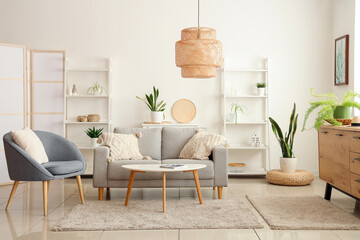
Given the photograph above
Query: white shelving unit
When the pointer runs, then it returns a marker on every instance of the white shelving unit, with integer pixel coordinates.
(84, 104)
(239, 134)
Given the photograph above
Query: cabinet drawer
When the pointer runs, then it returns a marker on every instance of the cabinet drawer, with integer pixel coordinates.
(355, 142)
(326, 137)
(335, 174)
(355, 185)
(355, 162)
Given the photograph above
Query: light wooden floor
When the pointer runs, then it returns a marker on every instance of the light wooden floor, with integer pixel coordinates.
(25, 221)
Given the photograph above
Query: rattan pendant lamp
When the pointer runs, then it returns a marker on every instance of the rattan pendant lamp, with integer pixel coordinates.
(198, 53)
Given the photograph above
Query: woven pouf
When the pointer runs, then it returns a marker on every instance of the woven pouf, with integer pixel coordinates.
(298, 178)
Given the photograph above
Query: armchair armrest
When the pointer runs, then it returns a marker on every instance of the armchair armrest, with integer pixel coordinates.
(100, 174)
(220, 158)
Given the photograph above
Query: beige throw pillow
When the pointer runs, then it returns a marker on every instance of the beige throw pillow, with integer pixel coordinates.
(201, 145)
(123, 146)
(30, 142)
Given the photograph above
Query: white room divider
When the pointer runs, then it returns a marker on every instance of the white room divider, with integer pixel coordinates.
(13, 95)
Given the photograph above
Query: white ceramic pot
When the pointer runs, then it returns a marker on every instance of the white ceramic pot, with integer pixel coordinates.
(231, 117)
(261, 91)
(156, 117)
(93, 142)
(288, 165)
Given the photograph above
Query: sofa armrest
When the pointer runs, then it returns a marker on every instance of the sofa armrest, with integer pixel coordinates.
(220, 158)
(100, 168)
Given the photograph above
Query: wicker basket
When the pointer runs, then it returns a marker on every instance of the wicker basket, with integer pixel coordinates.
(81, 119)
(93, 118)
(343, 121)
(298, 178)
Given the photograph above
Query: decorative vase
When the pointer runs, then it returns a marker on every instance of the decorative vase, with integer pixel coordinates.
(342, 112)
(93, 142)
(156, 117)
(74, 90)
(288, 165)
(231, 117)
(261, 91)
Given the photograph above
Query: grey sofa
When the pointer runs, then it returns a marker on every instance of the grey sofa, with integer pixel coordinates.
(163, 145)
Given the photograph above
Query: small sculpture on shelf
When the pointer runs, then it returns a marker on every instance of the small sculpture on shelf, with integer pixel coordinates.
(74, 90)
(255, 140)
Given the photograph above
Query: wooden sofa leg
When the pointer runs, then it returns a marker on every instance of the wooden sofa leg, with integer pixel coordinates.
(108, 197)
(13, 190)
(220, 189)
(101, 193)
(78, 178)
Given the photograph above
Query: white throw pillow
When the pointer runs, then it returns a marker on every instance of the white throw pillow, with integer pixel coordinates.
(30, 142)
(201, 145)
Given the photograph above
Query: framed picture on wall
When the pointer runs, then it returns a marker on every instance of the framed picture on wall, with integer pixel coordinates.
(342, 60)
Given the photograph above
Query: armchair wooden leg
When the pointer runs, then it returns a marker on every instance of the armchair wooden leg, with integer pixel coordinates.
(45, 196)
(78, 178)
(48, 186)
(101, 193)
(220, 189)
(214, 188)
(13, 190)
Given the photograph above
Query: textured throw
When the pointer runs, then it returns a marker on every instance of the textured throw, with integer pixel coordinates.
(201, 145)
(147, 214)
(303, 212)
(122, 146)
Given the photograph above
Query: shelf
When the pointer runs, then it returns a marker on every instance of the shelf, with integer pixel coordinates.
(244, 70)
(86, 123)
(248, 123)
(246, 96)
(87, 69)
(87, 96)
(245, 147)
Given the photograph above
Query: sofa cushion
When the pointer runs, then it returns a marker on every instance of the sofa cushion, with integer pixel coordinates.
(149, 143)
(173, 140)
(116, 172)
(204, 173)
(63, 167)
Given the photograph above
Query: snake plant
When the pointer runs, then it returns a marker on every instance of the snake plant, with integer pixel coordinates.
(286, 141)
(151, 101)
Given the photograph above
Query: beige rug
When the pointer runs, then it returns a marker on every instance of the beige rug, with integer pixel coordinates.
(303, 212)
(147, 214)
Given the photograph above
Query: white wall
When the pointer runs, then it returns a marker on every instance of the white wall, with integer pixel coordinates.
(140, 36)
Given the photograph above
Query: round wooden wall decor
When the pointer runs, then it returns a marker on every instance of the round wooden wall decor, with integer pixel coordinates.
(183, 111)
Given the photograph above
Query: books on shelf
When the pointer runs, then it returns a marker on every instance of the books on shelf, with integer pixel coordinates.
(173, 166)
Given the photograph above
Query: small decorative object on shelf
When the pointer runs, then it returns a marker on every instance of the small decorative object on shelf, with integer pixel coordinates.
(93, 118)
(332, 110)
(162, 122)
(96, 89)
(81, 119)
(94, 134)
(288, 160)
(233, 91)
(261, 88)
(255, 141)
(157, 109)
(74, 90)
(236, 110)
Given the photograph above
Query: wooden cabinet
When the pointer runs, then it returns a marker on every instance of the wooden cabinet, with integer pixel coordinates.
(339, 159)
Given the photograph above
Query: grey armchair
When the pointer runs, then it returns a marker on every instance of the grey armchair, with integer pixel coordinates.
(65, 160)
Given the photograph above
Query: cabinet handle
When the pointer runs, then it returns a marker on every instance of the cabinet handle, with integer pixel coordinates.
(339, 135)
(357, 180)
(356, 137)
(357, 159)
(324, 132)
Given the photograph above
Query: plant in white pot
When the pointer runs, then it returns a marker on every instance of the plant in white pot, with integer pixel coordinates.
(288, 160)
(96, 89)
(261, 88)
(94, 134)
(236, 110)
(157, 109)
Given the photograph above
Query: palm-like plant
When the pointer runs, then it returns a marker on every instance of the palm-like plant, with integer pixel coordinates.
(286, 141)
(328, 103)
(151, 101)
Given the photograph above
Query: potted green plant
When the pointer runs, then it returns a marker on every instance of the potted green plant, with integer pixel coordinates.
(95, 89)
(331, 109)
(288, 160)
(236, 109)
(261, 88)
(157, 108)
(94, 134)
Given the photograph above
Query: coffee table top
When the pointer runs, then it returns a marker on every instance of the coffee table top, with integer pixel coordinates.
(156, 167)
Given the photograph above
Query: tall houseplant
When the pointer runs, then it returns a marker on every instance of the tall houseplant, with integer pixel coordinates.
(288, 160)
(331, 108)
(157, 109)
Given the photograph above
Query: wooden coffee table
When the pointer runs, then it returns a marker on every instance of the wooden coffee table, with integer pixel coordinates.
(142, 168)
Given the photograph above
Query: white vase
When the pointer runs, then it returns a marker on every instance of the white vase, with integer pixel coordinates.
(157, 117)
(231, 117)
(93, 142)
(261, 91)
(288, 165)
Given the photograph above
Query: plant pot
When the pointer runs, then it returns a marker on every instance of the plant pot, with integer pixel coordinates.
(231, 117)
(288, 165)
(342, 112)
(157, 117)
(93, 142)
(261, 91)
